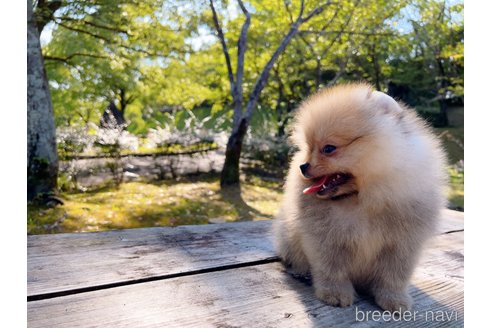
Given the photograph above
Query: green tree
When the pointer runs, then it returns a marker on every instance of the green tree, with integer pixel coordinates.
(430, 61)
(147, 58)
(42, 159)
(352, 42)
(99, 53)
(243, 110)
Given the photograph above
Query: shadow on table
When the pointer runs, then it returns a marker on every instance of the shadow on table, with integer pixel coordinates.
(426, 311)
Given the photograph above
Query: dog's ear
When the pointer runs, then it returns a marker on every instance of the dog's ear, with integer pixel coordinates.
(385, 103)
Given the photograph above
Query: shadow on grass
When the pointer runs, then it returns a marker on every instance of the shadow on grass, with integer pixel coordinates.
(100, 188)
(233, 196)
(187, 200)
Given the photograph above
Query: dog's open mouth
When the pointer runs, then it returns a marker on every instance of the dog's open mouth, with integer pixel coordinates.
(327, 183)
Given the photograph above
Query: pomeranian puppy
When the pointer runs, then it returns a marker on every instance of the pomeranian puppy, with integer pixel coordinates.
(362, 195)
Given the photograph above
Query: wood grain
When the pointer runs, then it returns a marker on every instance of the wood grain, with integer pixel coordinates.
(256, 296)
(68, 261)
(64, 262)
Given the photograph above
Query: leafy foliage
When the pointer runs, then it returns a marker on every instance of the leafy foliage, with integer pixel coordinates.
(165, 57)
(162, 65)
(99, 48)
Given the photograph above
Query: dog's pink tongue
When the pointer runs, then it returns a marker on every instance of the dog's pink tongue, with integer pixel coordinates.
(316, 186)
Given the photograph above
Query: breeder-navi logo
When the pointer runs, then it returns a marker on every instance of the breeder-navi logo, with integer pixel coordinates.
(386, 316)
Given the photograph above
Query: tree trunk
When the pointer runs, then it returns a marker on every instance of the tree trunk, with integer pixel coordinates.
(377, 69)
(318, 73)
(112, 117)
(443, 106)
(241, 119)
(230, 171)
(280, 120)
(278, 107)
(123, 103)
(443, 112)
(42, 158)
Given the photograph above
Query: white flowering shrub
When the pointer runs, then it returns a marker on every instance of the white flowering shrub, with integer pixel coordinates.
(72, 141)
(220, 139)
(111, 140)
(161, 137)
(267, 148)
(194, 132)
(116, 138)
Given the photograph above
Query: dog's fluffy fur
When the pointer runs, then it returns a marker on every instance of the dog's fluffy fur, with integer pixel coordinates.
(368, 231)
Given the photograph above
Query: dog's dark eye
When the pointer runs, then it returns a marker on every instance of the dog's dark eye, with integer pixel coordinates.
(328, 149)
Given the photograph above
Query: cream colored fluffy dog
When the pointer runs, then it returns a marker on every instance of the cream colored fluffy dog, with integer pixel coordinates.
(362, 195)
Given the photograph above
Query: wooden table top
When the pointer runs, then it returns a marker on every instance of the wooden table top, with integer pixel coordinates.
(217, 275)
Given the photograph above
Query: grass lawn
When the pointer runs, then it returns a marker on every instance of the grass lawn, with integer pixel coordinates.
(456, 191)
(195, 200)
(167, 203)
(453, 138)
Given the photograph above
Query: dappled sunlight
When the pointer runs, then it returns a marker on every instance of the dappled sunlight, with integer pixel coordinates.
(154, 100)
(168, 203)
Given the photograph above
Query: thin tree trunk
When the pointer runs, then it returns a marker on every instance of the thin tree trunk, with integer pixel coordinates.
(377, 69)
(230, 171)
(112, 117)
(443, 113)
(443, 106)
(318, 73)
(278, 108)
(242, 118)
(123, 103)
(42, 158)
(279, 111)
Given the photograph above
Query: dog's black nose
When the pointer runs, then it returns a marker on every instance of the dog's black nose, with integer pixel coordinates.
(304, 168)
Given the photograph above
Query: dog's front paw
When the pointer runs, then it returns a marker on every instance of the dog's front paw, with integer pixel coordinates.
(336, 295)
(394, 301)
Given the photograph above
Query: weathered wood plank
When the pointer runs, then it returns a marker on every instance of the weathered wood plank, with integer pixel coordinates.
(63, 262)
(68, 261)
(451, 221)
(444, 257)
(256, 296)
